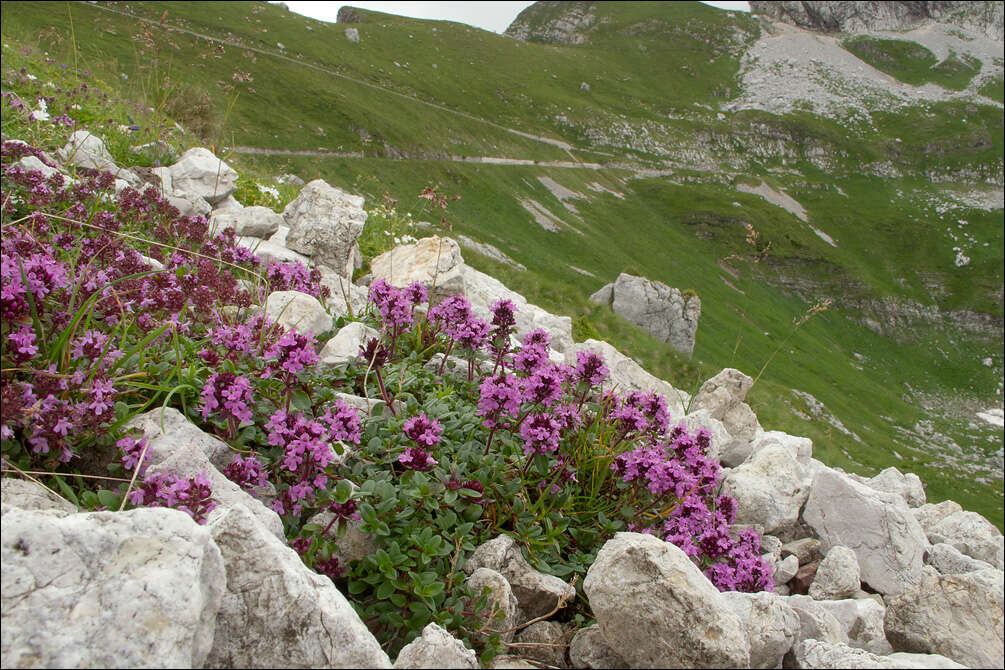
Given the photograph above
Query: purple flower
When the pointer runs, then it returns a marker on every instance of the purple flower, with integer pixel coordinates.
(192, 495)
(416, 458)
(420, 429)
(24, 341)
(292, 353)
(497, 396)
(248, 473)
(343, 422)
(544, 386)
(229, 395)
(416, 293)
(590, 368)
(540, 433)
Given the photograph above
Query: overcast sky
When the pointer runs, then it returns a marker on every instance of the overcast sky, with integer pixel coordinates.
(494, 16)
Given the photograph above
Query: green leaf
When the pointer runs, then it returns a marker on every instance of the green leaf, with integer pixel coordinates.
(343, 491)
(67, 491)
(384, 591)
(109, 499)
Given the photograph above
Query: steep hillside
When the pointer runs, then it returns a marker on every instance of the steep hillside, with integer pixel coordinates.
(597, 138)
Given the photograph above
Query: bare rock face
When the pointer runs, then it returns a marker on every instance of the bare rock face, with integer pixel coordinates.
(325, 223)
(770, 489)
(770, 622)
(435, 262)
(958, 616)
(972, 535)
(436, 648)
(108, 589)
(536, 592)
(664, 312)
(200, 174)
(851, 17)
(569, 23)
(879, 527)
(277, 612)
(500, 599)
(656, 609)
(723, 397)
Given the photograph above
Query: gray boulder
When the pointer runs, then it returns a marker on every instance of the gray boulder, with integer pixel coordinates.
(877, 526)
(958, 616)
(770, 622)
(297, 311)
(723, 397)
(770, 489)
(537, 593)
(909, 486)
(435, 262)
(806, 550)
(588, 649)
(662, 311)
(253, 221)
(815, 621)
(108, 589)
(33, 497)
(436, 648)
(325, 223)
(838, 575)
(500, 600)
(201, 174)
(949, 560)
(276, 612)
(344, 347)
(800, 448)
(972, 535)
(821, 654)
(656, 609)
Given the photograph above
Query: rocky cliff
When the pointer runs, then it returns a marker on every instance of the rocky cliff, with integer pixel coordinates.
(853, 17)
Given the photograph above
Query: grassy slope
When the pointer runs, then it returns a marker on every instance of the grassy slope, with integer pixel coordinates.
(670, 232)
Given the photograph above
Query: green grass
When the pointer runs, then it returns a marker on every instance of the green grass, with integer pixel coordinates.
(912, 63)
(893, 237)
(994, 89)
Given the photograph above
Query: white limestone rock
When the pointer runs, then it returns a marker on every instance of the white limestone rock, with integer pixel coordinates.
(770, 622)
(201, 174)
(344, 347)
(436, 648)
(723, 396)
(949, 560)
(33, 497)
(276, 612)
(177, 446)
(957, 616)
(908, 486)
(972, 535)
(255, 221)
(877, 526)
(588, 649)
(838, 575)
(325, 223)
(297, 311)
(770, 488)
(536, 592)
(108, 589)
(656, 609)
(664, 312)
